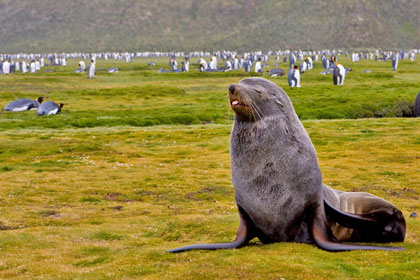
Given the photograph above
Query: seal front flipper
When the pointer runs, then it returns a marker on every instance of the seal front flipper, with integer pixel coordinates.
(323, 238)
(244, 235)
(349, 220)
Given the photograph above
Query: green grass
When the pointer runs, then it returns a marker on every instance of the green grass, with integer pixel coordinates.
(139, 96)
(106, 200)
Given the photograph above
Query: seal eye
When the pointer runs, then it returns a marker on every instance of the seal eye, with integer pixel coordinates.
(258, 91)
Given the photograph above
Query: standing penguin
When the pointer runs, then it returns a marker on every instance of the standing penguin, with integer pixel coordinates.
(49, 108)
(17, 66)
(24, 67)
(23, 104)
(241, 63)
(292, 59)
(235, 63)
(309, 63)
(6, 67)
(33, 67)
(186, 67)
(258, 68)
(247, 65)
(37, 65)
(395, 57)
(325, 62)
(92, 69)
(294, 76)
(202, 64)
(339, 73)
(174, 64)
(213, 62)
(303, 67)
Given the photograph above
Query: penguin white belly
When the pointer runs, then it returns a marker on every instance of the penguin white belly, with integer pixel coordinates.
(52, 112)
(343, 74)
(297, 77)
(257, 67)
(20, 109)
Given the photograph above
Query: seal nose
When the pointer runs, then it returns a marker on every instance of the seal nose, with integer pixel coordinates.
(232, 88)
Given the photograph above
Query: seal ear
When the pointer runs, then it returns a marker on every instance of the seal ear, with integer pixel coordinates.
(349, 220)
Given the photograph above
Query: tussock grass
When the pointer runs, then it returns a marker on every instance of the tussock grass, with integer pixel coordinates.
(104, 199)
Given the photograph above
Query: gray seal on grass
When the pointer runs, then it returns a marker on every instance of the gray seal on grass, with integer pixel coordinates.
(276, 176)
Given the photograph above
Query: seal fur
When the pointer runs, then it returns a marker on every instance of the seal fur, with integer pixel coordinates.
(275, 173)
(389, 223)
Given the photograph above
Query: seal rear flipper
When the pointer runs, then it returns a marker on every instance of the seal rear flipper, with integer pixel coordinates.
(348, 220)
(244, 235)
(322, 238)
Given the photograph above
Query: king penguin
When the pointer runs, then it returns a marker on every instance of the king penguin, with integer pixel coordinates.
(92, 69)
(49, 108)
(339, 72)
(23, 104)
(395, 57)
(294, 76)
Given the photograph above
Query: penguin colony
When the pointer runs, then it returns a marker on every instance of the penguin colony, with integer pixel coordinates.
(257, 62)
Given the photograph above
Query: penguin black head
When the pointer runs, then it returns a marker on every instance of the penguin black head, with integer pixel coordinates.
(61, 105)
(40, 99)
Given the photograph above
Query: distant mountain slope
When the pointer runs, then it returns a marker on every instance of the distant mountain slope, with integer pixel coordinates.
(165, 25)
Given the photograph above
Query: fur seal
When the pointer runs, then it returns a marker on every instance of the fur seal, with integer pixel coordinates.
(390, 226)
(417, 106)
(276, 176)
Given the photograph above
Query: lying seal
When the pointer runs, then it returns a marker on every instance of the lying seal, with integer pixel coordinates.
(275, 172)
(390, 224)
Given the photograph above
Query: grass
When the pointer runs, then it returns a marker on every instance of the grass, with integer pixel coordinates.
(104, 201)
(139, 96)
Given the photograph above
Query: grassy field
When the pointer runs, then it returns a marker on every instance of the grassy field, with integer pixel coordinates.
(138, 163)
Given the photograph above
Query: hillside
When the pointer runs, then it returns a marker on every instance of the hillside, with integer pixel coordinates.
(139, 25)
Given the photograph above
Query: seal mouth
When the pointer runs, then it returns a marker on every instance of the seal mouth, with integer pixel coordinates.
(236, 103)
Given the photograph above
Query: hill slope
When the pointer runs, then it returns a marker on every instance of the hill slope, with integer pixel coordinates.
(99, 25)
